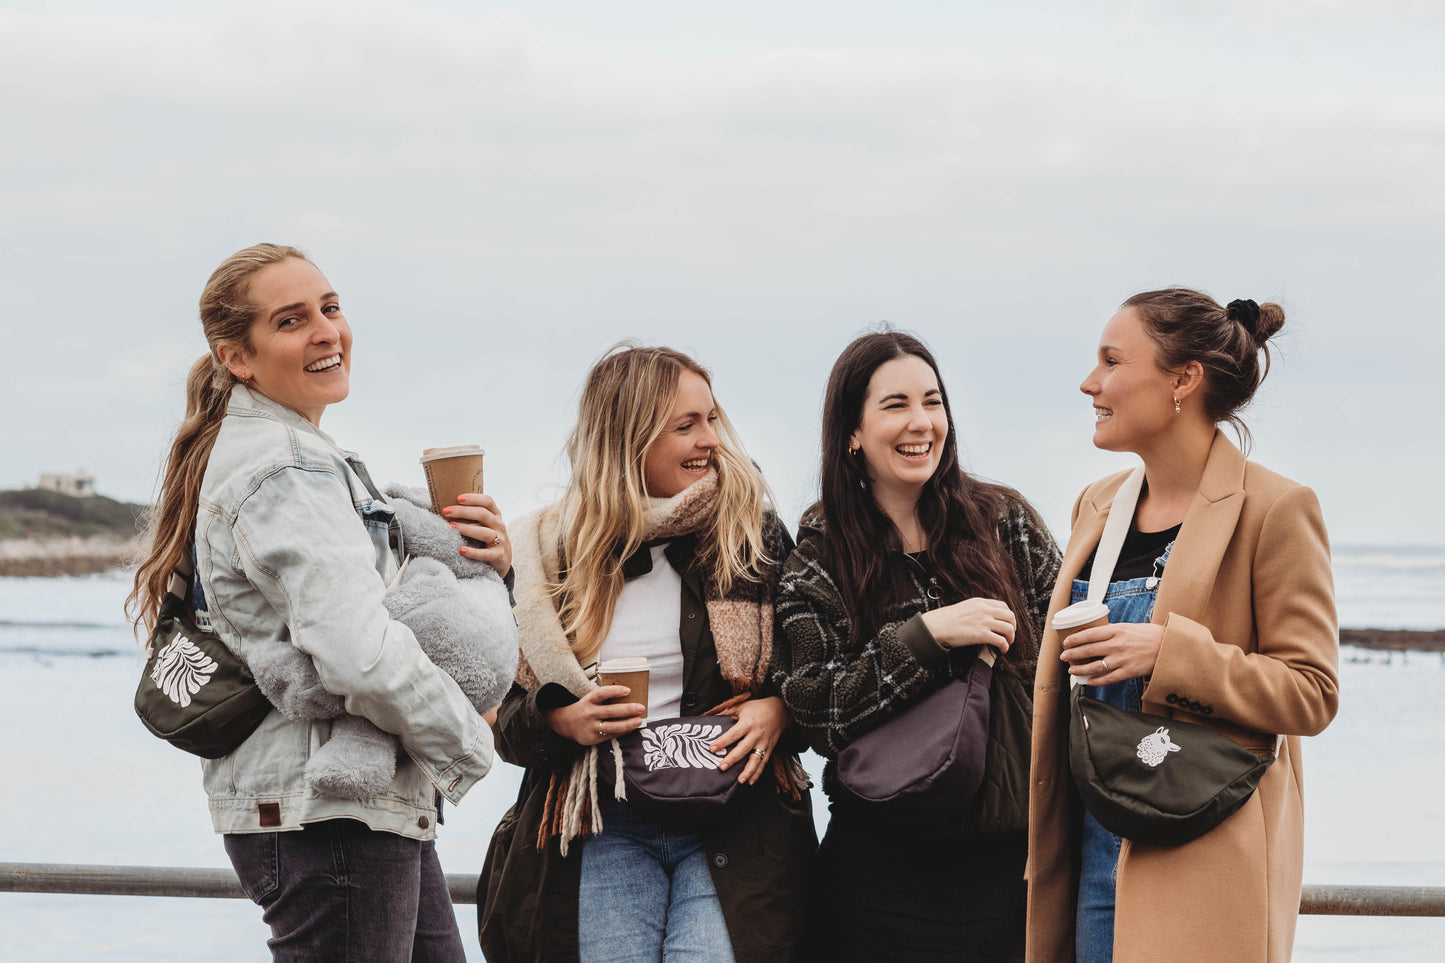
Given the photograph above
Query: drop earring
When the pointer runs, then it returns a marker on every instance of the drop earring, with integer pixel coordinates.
(1176, 404)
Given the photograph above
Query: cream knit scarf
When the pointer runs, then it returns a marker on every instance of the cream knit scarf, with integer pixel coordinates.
(742, 629)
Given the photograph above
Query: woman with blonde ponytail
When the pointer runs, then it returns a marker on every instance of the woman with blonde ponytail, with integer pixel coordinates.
(663, 546)
(294, 550)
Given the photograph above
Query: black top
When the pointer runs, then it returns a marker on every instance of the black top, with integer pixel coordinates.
(1138, 555)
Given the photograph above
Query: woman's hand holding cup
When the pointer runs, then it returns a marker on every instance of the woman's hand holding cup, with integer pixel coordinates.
(476, 516)
(975, 621)
(1105, 654)
(592, 719)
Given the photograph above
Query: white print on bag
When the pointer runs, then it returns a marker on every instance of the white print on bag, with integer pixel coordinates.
(1155, 747)
(683, 745)
(181, 670)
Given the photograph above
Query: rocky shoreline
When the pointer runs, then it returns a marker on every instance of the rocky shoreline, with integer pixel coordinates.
(1395, 640)
(77, 555)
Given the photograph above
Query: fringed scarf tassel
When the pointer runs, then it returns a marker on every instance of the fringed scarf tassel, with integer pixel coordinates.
(572, 807)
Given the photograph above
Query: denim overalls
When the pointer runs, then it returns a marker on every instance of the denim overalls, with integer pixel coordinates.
(1128, 601)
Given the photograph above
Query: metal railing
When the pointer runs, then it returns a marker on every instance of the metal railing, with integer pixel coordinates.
(222, 884)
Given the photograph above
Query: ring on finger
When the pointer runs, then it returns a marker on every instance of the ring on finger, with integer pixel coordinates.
(602, 732)
(760, 752)
(1104, 662)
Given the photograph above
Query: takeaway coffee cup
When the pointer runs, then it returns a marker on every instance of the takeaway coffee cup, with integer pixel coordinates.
(451, 472)
(1080, 615)
(632, 673)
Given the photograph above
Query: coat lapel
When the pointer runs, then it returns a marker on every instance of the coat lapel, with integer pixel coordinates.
(1208, 527)
(1084, 538)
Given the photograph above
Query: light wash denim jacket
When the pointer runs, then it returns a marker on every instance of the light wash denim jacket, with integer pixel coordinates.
(291, 545)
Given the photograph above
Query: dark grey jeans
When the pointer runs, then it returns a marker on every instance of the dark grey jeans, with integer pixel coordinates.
(337, 891)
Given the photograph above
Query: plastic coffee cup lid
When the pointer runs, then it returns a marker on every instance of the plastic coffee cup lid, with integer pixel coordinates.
(1080, 613)
(632, 664)
(432, 454)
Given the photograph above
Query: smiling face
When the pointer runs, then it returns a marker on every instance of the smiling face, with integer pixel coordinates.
(903, 426)
(1133, 397)
(683, 452)
(300, 352)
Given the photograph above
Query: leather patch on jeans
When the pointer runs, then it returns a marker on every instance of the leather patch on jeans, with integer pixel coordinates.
(270, 814)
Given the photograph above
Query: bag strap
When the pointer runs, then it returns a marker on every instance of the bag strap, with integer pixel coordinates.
(180, 585)
(1121, 513)
(394, 535)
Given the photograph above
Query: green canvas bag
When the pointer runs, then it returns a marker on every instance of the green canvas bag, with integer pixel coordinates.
(194, 692)
(1156, 780)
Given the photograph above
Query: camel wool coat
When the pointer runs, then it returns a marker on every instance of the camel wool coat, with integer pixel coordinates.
(1250, 649)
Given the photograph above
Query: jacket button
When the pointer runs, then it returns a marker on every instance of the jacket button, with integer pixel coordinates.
(689, 699)
(423, 822)
(1193, 707)
(692, 615)
(720, 860)
(1172, 699)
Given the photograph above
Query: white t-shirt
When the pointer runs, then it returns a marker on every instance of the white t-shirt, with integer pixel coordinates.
(645, 623)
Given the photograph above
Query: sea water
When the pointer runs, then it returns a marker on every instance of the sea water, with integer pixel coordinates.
(85, 783)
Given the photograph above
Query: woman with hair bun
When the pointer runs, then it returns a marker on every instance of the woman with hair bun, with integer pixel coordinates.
(1221, 614)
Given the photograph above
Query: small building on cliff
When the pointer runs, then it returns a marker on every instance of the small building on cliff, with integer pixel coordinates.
(81, 484)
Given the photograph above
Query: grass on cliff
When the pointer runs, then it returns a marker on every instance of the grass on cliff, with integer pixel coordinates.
(35, 513)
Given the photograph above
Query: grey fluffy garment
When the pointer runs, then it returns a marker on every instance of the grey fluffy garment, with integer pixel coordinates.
(460, 613)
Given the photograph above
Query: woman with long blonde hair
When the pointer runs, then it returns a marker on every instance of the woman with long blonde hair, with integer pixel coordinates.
(664, 547)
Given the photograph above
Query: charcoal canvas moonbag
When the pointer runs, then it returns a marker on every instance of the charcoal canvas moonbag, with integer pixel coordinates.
(670, 773)
(1149, 778)
(195, 693)
(928, 760)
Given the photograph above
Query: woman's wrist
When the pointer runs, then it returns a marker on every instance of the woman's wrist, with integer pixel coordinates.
(922, 641)
(558, 720)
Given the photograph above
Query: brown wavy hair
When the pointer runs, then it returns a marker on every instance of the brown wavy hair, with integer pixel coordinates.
(1187, 325)
(226, 315)
(959, 513)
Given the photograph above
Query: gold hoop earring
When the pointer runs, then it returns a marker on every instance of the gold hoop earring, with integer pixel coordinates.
(854, 449)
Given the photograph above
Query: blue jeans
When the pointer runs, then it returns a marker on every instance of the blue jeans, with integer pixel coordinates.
(647, 895)
(337, 891)
(1128, 601)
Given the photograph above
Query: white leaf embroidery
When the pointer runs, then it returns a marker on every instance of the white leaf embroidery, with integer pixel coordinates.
(181, 670)
(682, 745)
(1156, 747)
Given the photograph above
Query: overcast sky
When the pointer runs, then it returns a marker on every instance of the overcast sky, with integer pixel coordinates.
(500, 192)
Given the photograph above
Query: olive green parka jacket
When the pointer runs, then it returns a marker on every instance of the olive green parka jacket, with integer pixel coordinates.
(527, 897)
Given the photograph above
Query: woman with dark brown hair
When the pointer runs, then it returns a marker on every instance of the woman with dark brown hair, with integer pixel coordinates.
(905, 570)
(1221, 610)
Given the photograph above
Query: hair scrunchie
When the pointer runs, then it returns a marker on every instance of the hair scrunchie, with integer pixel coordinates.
(1246, 312)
